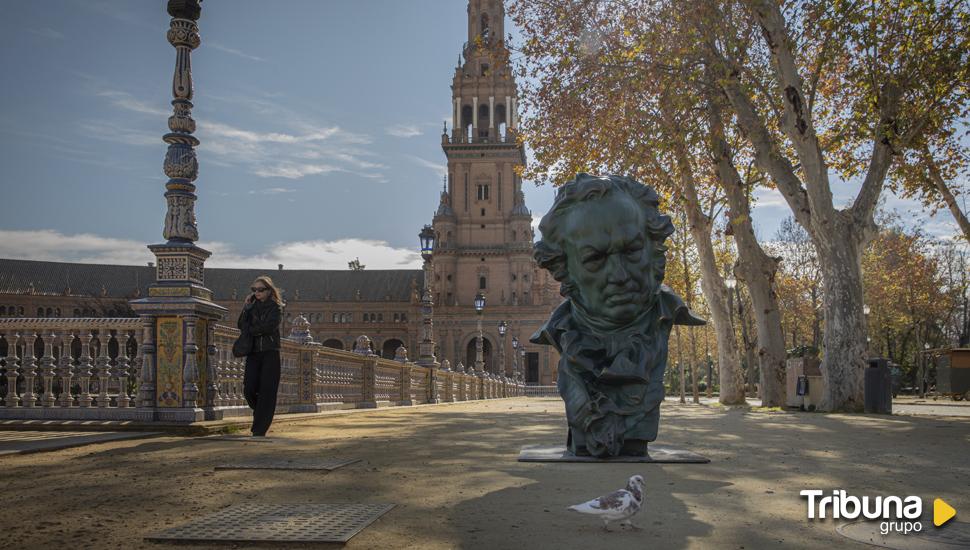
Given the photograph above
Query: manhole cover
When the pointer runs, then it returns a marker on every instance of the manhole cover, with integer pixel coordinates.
(951, 535)
(283, 464)
(277, 523)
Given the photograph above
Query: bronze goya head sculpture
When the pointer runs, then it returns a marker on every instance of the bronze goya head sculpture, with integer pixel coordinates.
(603, 240)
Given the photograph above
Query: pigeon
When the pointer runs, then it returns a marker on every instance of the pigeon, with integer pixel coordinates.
(620, 505)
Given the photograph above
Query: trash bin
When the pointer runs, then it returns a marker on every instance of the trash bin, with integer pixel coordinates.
(814, 396)
(879, 387)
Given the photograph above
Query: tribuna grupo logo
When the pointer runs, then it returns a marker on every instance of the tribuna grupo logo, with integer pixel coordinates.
(897, 514)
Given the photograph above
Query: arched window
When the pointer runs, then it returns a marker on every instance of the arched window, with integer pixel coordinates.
(482, 283)
(483, 117)
(380, 317)
(336, 318)
(57, 312)
(20, 311)
(40, 312)
(467, 119)
(3, 311)
(77, 312)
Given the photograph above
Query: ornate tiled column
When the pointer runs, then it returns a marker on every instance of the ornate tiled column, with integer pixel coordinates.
(179, 309)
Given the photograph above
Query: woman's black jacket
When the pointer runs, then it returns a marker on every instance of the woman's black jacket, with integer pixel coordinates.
(261, 320)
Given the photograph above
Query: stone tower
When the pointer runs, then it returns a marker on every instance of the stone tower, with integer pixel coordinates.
(483, 229)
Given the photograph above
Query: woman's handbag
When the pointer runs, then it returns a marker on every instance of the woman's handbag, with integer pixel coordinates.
(243, 345)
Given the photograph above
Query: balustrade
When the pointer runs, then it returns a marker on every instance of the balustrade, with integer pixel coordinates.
(47, 367)
(93, 368)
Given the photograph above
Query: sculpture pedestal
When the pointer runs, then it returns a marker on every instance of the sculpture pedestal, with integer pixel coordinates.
(661, 454)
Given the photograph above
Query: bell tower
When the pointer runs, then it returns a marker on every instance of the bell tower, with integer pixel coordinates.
(484, 230)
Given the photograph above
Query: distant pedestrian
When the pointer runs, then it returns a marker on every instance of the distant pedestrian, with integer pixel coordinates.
(260, 320)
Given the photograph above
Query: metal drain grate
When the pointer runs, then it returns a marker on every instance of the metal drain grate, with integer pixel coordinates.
(284, 464)
(953, 534)
(277, 523)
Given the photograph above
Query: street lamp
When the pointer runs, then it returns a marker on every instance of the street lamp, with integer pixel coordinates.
(479, 358)
(502, 329)
(426, 356)
(515, 358)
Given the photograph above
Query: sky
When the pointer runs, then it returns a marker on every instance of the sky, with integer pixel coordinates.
(319, 121)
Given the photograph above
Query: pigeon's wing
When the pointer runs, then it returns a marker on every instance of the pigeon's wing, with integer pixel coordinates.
(615, 503)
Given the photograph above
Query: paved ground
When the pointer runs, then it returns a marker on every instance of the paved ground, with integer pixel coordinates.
(903, 406)
(25, 442)
(453, 473)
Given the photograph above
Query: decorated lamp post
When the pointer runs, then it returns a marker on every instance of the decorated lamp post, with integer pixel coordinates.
(502, 329)
(515, 359)
(479, 357)
(178, 368)
(426, 356)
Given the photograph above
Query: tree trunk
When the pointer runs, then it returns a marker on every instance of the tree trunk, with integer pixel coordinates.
(693, 365)
(755, 268)
(680, 364)
(758, 271)
(712, 284)
(844, 359)
(948, 198)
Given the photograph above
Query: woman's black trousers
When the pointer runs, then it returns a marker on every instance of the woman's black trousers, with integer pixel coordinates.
(260, 384)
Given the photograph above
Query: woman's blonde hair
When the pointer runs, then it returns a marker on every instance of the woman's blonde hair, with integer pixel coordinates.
(274, 292)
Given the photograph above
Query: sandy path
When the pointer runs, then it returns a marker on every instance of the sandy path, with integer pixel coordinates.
(452, 472)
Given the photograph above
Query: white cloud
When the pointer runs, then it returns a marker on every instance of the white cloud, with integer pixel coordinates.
(438, 167)
(318, 254)
(403, 130)
(128, 102)
(233, 51)
(48, 33)
(50, 245)
(269, 154)
(294, 170)
(272, 191)
(247, 136)
(769, 198)
(112, 132)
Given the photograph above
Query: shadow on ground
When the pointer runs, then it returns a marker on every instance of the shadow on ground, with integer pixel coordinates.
(453, 473)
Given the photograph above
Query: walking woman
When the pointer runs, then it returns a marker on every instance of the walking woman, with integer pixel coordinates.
(260, 320)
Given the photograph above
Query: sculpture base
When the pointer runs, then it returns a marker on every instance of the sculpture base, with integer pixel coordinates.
(661, 454)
